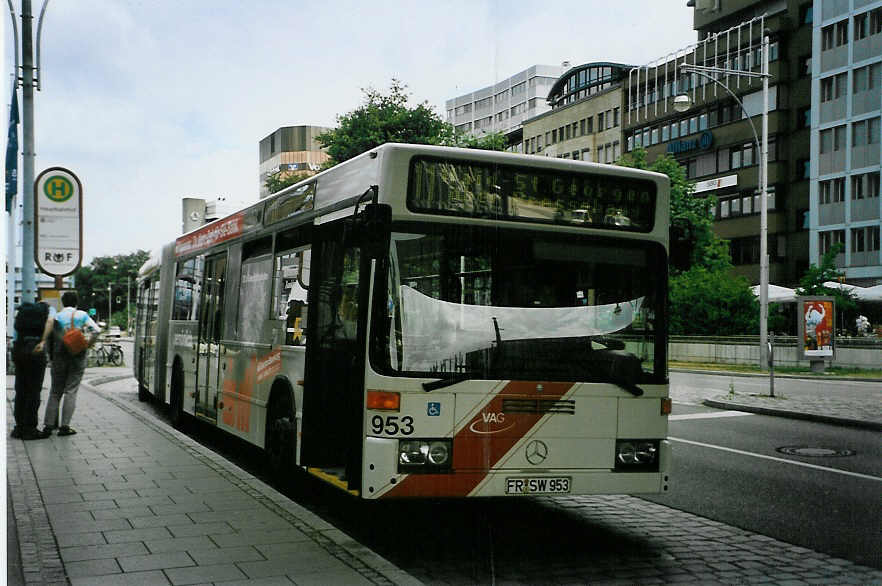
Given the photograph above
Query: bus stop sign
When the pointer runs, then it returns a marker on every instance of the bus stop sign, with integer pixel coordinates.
(58, 222)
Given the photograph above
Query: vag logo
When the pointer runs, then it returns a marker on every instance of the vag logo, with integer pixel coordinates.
(489, 422)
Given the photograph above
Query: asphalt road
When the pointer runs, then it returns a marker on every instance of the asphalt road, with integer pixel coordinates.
(811, 484)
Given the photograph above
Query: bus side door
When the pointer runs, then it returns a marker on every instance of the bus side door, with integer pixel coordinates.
(334, 383)
(211, 323)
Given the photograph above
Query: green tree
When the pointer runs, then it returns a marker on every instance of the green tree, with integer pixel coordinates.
(693, 241)
(812, 282)
(279, 182)
(705, 302)
(388, 117)
(92, 282)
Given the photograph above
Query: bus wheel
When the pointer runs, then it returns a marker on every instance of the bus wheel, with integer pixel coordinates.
(176, 403)
(280, 440)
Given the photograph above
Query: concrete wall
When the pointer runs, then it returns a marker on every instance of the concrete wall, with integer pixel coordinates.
(869, 356)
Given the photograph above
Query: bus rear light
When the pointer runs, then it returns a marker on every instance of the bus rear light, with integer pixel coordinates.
(383, 401)
(666, 406)
(428, 456)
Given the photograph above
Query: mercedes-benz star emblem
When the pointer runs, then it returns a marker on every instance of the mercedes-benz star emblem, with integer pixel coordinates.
(536, 452)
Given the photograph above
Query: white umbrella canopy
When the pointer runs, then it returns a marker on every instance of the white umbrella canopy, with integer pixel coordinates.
(873, 293)
(845, 287)
(777, 293)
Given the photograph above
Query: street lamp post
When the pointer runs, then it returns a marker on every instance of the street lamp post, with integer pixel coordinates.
(682, 103)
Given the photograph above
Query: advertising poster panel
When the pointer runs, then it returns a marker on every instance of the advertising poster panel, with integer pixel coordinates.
(816, 327)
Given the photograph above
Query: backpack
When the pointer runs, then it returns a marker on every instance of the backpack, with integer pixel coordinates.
(72, 338)
(31, 319)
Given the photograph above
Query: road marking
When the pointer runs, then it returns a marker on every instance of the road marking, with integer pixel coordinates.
(708, 415)
(774, 459)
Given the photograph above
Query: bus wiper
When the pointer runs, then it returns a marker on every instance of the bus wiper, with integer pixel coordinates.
(447, 382)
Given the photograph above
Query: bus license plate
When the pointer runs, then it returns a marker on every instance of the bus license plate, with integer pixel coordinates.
(537, 485)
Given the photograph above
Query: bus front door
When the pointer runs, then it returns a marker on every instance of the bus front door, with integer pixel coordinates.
(210, 354)
(333, 404)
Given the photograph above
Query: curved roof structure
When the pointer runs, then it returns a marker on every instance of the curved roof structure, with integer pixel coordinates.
(586, 79)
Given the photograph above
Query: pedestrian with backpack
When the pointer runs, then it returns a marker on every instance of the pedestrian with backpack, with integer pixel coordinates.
(33, 323)
(73, 332)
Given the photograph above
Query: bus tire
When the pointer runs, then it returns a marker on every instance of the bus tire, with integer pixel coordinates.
(280, 442)
(176, 403)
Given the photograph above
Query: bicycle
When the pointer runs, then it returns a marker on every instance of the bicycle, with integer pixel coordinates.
(107, 352)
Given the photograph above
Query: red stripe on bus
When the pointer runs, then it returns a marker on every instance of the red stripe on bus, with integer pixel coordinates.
(479, 446)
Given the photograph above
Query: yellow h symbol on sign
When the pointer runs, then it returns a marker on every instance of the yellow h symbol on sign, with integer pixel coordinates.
(58, 188)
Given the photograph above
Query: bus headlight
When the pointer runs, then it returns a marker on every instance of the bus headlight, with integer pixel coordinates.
(423, 455)
(637, 455)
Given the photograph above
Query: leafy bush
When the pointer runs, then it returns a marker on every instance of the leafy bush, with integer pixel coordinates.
(705, 302)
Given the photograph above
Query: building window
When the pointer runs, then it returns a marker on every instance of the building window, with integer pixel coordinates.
(666, 133)
(805, 66)
(702, 122)
(876, 21)
(554, 136)
(826, 240)
(827, 89)
(693, 125)
(654, 136)
(735, 159)
(865, 185)
(824, 192)
(841, 33)
(827, 38)
(803, 168)
(839, 190)
(582, 124)
(600, 122)
(805, 14)
(861, 23)
(615, 116)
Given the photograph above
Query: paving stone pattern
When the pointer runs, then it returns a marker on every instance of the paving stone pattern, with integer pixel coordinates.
(128, 500)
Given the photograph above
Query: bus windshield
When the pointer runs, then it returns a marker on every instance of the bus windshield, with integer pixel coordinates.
(491, 303)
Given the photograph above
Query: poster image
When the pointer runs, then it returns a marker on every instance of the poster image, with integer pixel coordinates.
(818, 332)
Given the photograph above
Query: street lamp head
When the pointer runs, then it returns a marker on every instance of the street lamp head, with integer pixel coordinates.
(682, 103)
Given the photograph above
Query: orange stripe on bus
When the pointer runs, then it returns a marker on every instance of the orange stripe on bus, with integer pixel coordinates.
(477, 448)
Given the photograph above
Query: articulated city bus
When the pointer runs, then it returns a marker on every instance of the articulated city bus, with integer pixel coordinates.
(427, 322)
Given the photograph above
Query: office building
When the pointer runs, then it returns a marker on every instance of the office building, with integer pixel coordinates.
(717, 144)
(290, 149)
(846, 71)
(584, 122)
(503, 106)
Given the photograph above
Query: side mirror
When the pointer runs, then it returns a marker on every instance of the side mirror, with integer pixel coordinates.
(377, 220)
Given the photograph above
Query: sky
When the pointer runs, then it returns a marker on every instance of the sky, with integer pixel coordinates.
(151, 101)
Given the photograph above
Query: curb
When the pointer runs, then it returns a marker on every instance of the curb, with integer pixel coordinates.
(871, 425)
(766, 375)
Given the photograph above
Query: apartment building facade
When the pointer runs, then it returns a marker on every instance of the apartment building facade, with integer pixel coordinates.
(584, 122)
(846, 69)
(503, 106)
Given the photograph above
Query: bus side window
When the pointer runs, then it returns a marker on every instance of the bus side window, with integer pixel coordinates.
(291, 282)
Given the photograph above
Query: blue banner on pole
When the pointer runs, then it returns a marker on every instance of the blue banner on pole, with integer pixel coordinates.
(12, 152)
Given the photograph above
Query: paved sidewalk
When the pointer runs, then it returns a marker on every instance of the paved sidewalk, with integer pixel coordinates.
(825, 399)
(129, 500)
